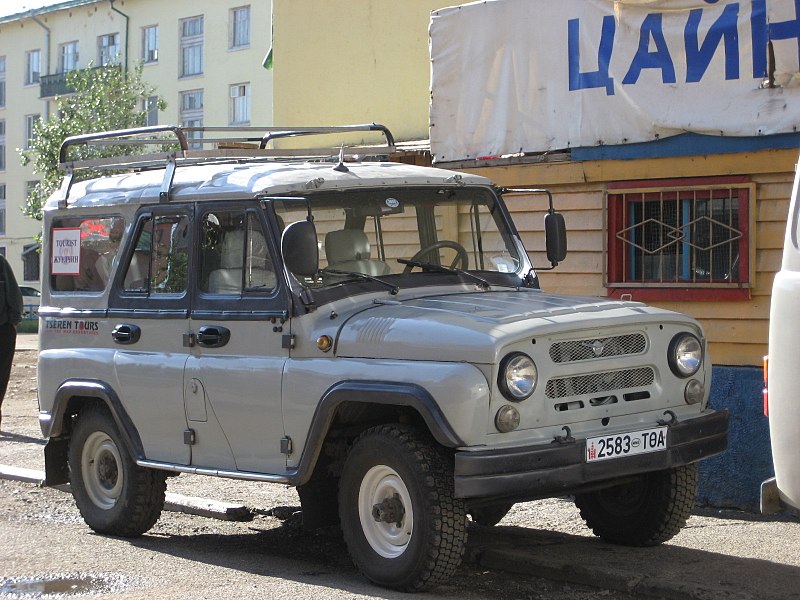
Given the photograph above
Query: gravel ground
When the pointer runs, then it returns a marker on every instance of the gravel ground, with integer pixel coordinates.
(28, 514)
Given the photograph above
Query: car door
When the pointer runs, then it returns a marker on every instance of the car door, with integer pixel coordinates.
(149, 307)
(233, 374)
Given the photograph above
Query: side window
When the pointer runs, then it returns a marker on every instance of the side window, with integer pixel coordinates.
(83, 252)
(160, 260)
(235, 258)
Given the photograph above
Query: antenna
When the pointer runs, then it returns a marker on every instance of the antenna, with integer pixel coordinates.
(341, 166)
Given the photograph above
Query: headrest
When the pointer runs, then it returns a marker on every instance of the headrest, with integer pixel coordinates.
(346, 245)
(232, 249)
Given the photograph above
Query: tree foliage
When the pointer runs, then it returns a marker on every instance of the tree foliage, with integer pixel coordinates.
(105, 98)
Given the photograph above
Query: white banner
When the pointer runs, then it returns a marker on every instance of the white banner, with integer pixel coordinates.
(511, 76)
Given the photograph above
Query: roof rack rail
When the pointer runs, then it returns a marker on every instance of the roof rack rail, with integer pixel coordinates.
(205, 145)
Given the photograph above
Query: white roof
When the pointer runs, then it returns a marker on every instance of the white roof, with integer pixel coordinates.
(249, 180)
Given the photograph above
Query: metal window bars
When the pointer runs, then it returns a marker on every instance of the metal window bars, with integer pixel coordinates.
(216, 145)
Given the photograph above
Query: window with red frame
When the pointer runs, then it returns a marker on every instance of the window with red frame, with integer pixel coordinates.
(684, 239)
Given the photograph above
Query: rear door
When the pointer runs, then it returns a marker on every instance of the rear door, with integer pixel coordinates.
(233, 374)
(149, 309)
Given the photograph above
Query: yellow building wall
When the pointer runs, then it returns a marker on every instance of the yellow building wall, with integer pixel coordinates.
(342, 62)
(222, 67)
(737, 330)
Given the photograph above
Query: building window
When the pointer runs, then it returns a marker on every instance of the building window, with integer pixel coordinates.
(191, 46)
(680, 239)
(32, 69)
(107, 49)
(30, 129)
(2, 145)
(151, 111)
(31, 262)
(240, 27)
(2, 81)
(2, 208)
(67, 57)
(150, 44)
(192, 114)
(240, 103)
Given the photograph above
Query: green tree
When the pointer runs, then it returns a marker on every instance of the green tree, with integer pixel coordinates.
(105, 98)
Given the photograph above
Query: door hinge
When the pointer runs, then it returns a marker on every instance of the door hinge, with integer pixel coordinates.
(286, 445)
(188, 340)
(189, 437)
(287, 341)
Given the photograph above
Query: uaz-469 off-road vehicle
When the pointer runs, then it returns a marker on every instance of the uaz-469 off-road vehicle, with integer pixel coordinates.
(370, 332)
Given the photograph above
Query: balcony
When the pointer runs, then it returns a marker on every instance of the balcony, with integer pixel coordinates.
(56, 84)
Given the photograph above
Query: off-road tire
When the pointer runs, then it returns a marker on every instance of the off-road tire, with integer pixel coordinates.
(114, 496)
(646, 512)
(390, 461)
(489, 516)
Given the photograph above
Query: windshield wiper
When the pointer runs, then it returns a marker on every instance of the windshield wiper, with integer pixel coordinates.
(482, 283)
(393, 289)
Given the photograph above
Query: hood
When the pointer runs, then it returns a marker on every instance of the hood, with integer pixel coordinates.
(474, 327)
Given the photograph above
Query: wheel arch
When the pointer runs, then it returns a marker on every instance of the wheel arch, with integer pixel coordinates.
(71, 397)
(346, 404)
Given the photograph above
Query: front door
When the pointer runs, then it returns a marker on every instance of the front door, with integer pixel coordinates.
(232, 381)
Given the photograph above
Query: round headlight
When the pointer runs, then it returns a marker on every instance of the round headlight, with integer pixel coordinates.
(685, 355)
(517, 378)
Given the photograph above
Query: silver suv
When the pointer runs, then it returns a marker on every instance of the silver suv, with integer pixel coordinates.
(370, 332)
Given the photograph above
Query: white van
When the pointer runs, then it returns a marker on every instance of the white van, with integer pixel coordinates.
(781, 401)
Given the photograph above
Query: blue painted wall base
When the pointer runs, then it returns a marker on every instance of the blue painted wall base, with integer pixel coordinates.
(733, 479)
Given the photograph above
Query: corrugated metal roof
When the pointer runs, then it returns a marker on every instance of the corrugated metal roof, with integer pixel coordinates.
(41, 7)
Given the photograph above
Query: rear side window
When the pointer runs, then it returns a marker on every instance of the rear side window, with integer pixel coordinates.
(159, 263)
(83, 252)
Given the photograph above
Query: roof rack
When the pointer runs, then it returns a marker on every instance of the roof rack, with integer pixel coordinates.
(181, 146)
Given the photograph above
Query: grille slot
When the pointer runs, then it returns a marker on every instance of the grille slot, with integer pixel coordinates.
(565, 387)
(592, 348)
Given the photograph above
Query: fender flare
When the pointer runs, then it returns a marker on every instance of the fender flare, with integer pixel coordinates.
(90, 388)
(372, 392)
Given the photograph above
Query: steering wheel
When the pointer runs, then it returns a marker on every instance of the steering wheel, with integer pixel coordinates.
(461, 258)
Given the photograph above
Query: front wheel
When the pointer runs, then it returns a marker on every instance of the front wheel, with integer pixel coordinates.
(645, 512)
(113, 495)
(402, 525)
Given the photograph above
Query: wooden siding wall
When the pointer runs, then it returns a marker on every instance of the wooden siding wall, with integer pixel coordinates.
(737, 330)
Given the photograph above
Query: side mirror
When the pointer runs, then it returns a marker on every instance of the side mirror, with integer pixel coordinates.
(299, 248)
(555, 231)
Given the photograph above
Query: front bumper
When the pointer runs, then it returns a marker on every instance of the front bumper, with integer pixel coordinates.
(560, 468)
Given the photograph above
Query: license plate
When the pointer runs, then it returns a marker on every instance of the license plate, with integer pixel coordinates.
(626, 444)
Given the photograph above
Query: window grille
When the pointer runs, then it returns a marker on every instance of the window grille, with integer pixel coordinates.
(679, 235)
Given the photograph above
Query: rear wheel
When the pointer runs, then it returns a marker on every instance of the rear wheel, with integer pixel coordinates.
(645, 512)
(403, 527)
(113, 495)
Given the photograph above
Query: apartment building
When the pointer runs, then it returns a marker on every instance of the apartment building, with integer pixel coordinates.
(205, 57)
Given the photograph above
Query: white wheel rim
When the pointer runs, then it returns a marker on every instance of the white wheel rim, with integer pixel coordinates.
(382, 483)
(101, 468)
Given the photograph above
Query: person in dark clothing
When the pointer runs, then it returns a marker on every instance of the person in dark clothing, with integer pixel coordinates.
(10, 316)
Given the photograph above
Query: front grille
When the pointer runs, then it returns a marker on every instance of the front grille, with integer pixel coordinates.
(592, 348)
(565, 387)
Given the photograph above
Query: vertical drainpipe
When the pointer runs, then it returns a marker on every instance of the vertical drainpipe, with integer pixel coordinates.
(127, 24)
(46, 60)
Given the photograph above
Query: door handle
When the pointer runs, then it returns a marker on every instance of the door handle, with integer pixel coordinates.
(126, 334)
(213, 336)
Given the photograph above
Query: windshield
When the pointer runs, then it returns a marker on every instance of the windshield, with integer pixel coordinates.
(409, 236)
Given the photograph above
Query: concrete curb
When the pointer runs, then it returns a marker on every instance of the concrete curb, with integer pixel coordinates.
(190, 505)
